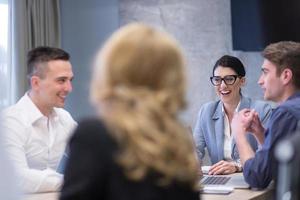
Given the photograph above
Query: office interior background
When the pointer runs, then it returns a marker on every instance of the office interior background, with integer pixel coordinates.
(203, 29)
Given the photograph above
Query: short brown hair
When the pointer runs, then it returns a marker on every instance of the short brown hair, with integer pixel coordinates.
(43, 54)
(285, 54)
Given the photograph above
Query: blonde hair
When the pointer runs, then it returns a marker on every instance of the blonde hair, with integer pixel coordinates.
(139, 87)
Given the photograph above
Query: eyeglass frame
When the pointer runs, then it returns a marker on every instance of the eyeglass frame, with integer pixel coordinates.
(224, 80)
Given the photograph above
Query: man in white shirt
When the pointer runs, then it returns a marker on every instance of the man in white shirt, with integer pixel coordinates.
(37, 128)
(8, 189)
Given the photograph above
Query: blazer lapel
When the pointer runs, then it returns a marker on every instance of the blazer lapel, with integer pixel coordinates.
(219, 130)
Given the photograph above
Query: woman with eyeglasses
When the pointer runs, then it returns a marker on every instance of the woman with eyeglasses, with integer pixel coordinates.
(212, 130)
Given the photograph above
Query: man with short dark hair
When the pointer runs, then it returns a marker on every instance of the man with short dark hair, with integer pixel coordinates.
(281, 84)
(37, 127)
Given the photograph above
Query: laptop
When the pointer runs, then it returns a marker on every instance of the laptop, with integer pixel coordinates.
(220, 182)
(233, 180)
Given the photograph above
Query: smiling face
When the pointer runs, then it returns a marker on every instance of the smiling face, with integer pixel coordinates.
(52, 88)
(229, 94)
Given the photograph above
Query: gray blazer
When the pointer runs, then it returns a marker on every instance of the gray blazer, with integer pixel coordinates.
(209, 129)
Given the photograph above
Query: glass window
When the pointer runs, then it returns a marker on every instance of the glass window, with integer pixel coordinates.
(4, 49)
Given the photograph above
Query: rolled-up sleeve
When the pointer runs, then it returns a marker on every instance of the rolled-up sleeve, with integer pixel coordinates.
(260, 170)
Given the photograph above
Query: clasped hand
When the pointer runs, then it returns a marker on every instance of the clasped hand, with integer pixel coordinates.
(248, 121)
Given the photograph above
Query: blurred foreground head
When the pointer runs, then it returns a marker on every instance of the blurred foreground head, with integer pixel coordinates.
(140, 60)
(139, 86)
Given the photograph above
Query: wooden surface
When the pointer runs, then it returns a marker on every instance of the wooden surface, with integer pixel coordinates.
(241, 194)
(237, 194)
(41, 196)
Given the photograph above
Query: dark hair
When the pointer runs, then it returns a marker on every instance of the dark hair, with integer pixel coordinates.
(231, 62)
(285, 54)
(40, 55)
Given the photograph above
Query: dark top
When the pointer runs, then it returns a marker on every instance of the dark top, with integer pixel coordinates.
(260, 170)
(92, 173)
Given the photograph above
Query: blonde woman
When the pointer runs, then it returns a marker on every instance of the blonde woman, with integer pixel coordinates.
(137, 148)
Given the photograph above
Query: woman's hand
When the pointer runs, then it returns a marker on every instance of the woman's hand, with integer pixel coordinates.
(223, 167)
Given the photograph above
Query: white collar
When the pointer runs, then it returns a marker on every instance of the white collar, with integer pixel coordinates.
(35, 113)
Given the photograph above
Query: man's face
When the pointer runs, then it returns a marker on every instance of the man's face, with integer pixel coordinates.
(270, 82)
(56, 84)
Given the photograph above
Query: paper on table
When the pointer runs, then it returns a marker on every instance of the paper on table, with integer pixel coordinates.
(205, 169)
(213, 189)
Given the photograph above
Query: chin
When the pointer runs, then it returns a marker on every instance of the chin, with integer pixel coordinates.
(226, 98)
(267, 98)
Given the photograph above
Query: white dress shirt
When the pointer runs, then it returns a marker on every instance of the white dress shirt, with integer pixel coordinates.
(8, 189)
(227, 139)
(35, 143)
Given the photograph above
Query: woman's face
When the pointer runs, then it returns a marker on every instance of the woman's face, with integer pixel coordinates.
(228, 93)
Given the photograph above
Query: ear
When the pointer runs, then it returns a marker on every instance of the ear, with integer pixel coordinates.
(34, 82)
(286, 76)
(243, 81)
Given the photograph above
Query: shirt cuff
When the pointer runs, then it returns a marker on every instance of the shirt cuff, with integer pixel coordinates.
(238, 166)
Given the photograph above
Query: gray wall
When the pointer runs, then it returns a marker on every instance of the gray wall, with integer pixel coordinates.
(85, 25)
(203, 28)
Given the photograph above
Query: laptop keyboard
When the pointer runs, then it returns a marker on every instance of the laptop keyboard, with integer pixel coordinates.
(215, 180)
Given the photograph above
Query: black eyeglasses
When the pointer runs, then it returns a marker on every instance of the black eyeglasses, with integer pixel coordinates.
(228, 80)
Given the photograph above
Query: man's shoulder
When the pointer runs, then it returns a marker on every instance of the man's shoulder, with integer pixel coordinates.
(15, 122)
(13, 112)
(19, 109)
(290, 106)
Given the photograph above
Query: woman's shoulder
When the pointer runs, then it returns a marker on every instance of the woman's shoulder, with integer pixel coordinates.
(91, 123)
(91, 130)
(209, 109)
(256, 104)
(260, 104)
(210, 106)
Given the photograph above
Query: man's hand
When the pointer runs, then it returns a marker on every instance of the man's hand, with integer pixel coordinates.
(257, 129)
(222, 167)
(242, 121)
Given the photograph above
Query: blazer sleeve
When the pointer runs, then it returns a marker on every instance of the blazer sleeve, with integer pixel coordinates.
(90, 157)
(198, 135)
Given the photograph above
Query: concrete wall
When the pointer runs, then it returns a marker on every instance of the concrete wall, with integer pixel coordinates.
(203, 28)
(85, 25)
